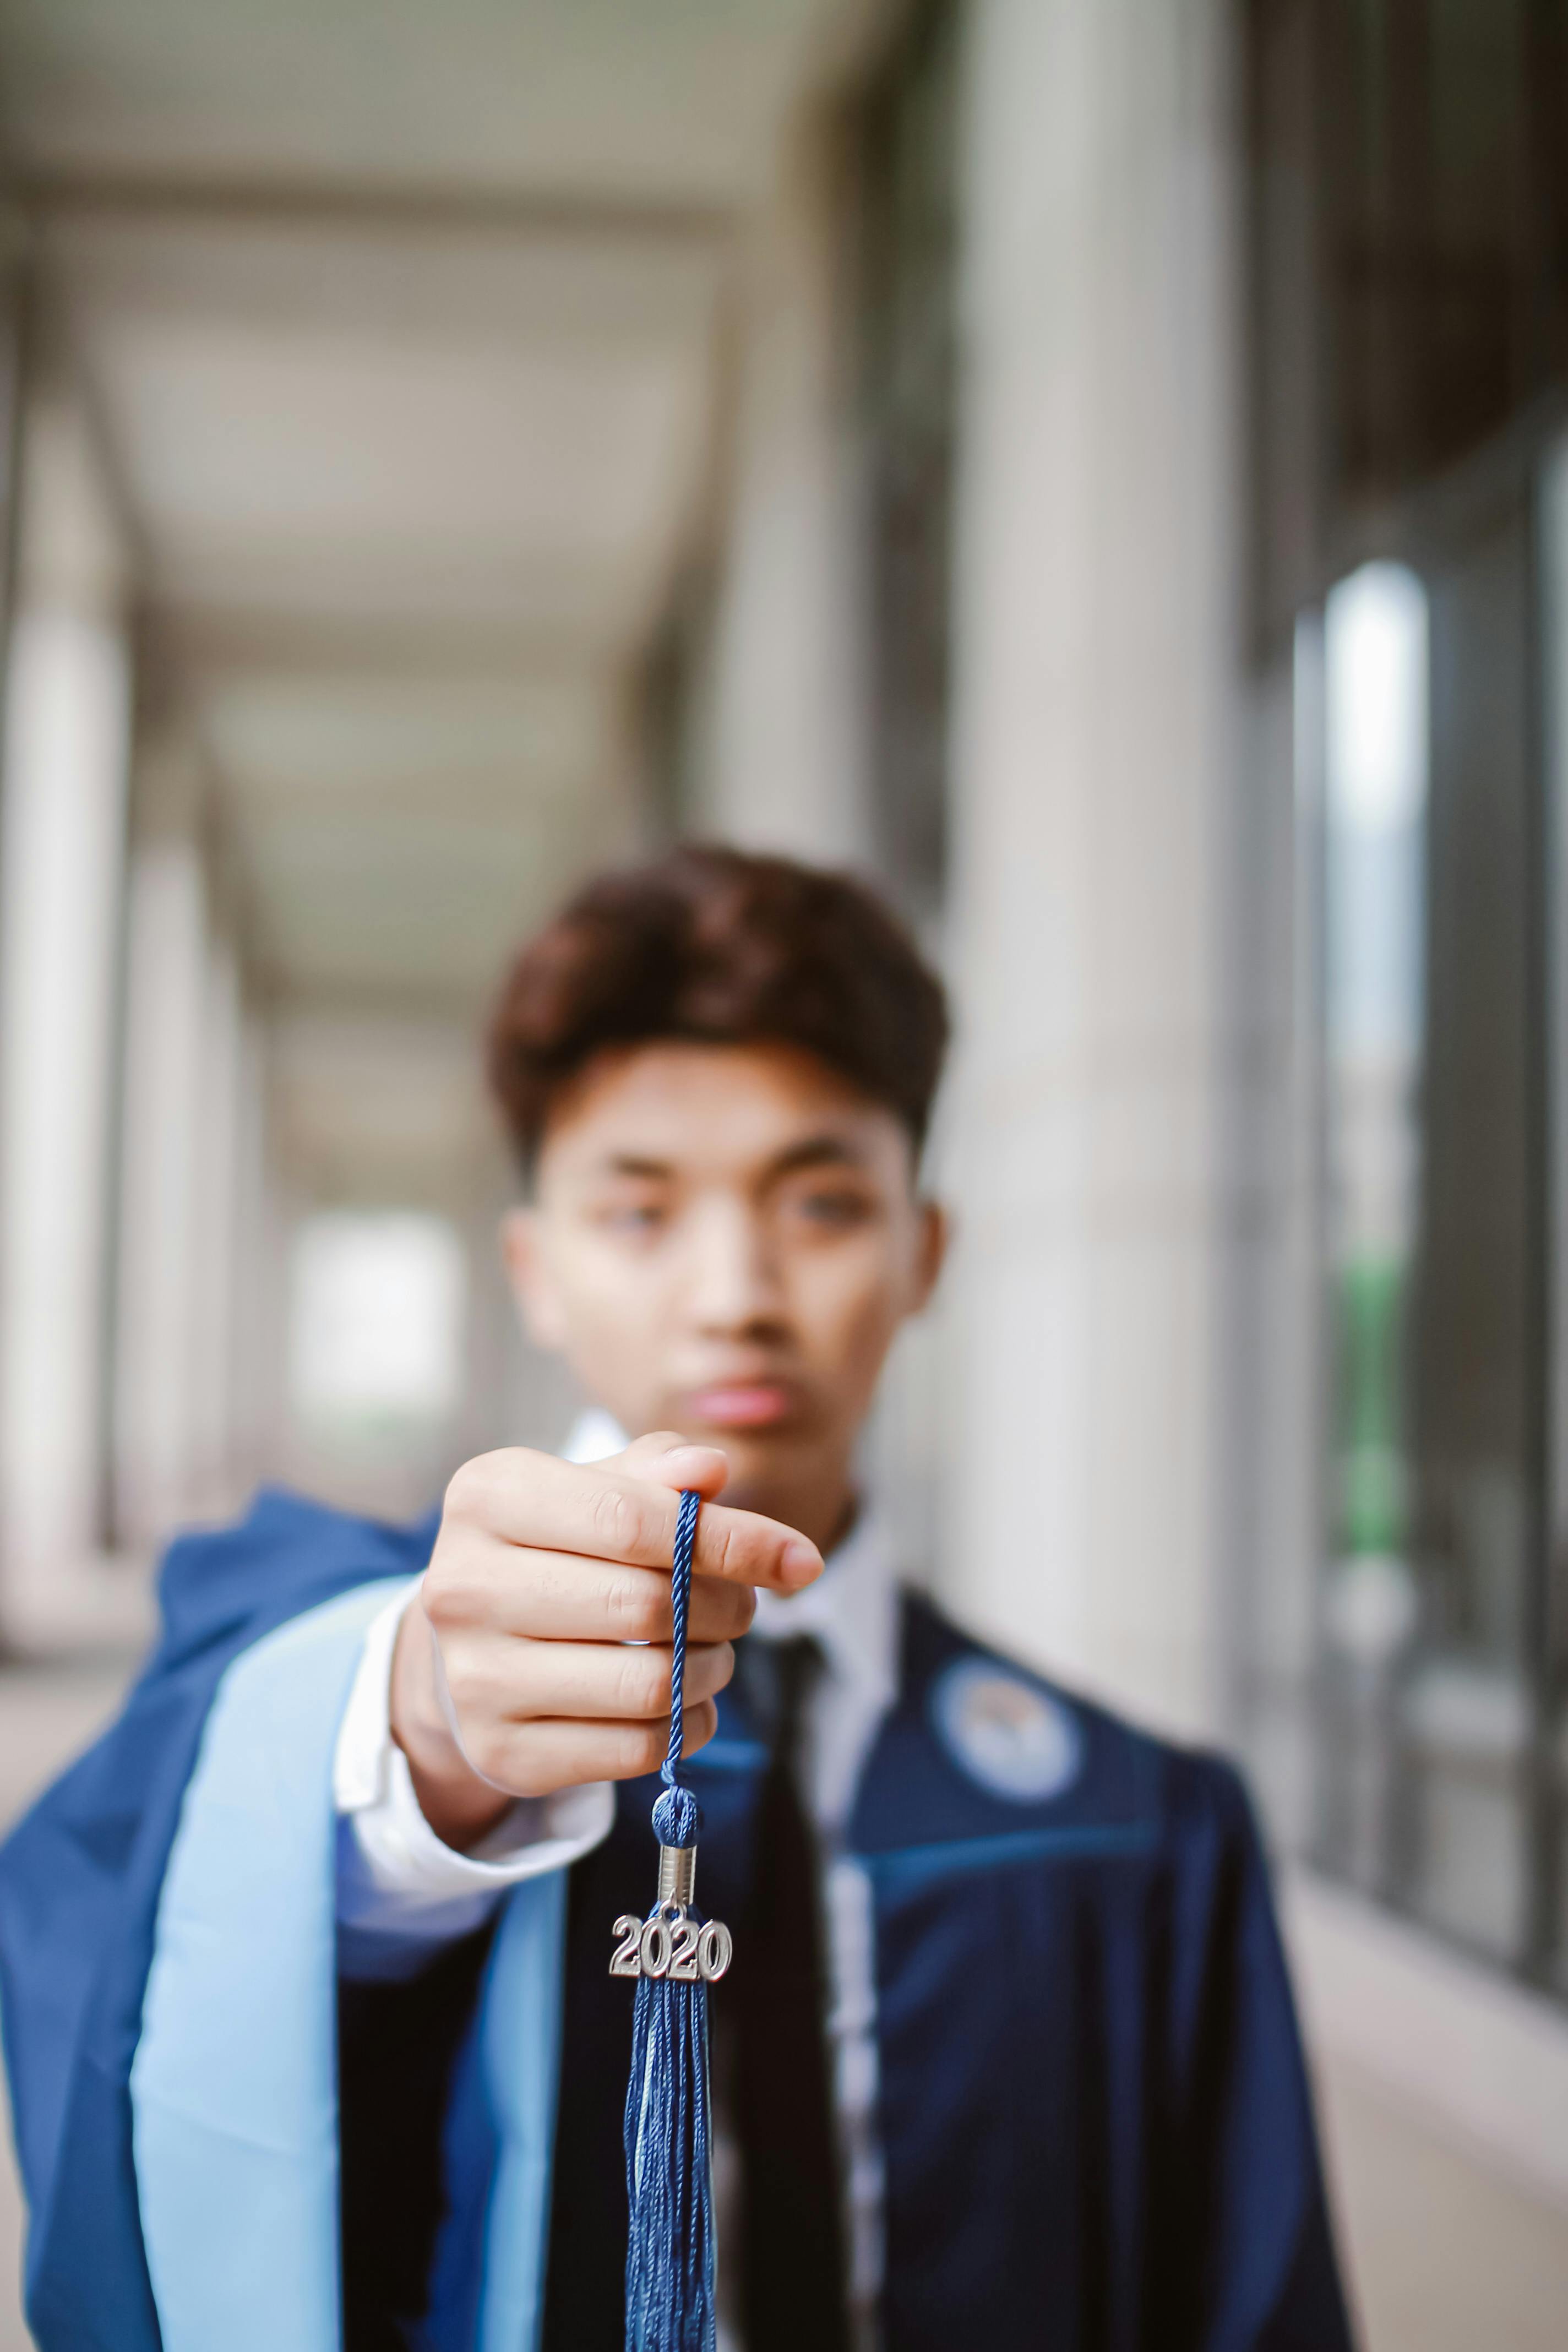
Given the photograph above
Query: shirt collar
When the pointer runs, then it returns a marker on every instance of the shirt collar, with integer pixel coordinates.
(852, 1609)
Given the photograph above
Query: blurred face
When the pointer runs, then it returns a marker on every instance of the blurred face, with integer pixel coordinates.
(724, 1242)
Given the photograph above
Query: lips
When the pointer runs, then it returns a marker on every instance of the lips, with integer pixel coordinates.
(742, 1404)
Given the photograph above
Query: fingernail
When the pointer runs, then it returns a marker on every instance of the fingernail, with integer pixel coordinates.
(800, 1562)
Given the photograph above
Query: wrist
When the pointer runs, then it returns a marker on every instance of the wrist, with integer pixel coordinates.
(460, 1806)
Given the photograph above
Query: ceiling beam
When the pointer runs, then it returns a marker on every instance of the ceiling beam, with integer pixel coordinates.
(397, 206)
(230, 642)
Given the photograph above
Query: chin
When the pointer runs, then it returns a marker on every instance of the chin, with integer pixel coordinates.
(750, 1451)
(761, 1460)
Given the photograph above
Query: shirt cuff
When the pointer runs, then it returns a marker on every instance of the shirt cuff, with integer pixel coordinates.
(401, 1892)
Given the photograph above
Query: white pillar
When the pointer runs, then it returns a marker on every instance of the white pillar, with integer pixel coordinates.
(217, 1233)
(65, 749)
(162, 1263)
(1094, 686)
(786, 739)
(258, 1321)
(193, 1172)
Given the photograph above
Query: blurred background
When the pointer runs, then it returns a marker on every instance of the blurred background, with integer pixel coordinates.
(1099, 467)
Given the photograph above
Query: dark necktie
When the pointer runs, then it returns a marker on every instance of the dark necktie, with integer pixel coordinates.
(793, 2274)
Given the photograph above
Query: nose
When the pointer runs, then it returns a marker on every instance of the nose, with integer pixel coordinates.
(736, 1290)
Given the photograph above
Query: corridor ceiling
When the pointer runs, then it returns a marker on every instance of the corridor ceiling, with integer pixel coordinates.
(404, 327)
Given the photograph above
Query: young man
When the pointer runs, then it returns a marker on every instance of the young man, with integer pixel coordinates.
(311, 2033)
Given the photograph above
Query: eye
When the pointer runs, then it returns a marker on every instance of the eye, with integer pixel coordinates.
(834, 1207)
(637, 1219)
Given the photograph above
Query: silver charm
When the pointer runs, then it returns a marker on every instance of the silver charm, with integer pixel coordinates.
(669, 1943)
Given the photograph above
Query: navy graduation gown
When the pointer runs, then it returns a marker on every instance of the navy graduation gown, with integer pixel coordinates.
(1095, 2127)
(1095, 2114)
(1095, 2121)
(80, 1880)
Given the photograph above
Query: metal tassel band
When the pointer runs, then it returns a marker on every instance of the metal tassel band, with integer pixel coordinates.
(677, 1875)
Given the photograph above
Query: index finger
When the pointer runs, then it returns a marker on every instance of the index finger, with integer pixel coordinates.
(602, 1513)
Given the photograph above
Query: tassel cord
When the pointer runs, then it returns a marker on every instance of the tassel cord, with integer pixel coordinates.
(676, 1816)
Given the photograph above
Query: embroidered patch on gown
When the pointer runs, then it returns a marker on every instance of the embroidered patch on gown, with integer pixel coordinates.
(1010, 1737)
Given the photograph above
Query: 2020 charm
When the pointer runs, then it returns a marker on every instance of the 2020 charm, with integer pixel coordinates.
(671, 1945)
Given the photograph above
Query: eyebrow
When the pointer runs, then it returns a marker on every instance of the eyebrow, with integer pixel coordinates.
(812, 1152)
(817, 1152)
(633, 1163)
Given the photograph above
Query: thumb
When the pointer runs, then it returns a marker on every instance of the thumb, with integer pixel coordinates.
(665, 1459)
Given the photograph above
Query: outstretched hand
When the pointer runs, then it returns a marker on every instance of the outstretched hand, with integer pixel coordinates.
(536, 1655)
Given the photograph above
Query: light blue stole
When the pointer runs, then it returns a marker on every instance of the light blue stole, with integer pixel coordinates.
(234, 2087)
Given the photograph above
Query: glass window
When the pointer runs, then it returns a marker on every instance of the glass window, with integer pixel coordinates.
(1438, 1788)
(1409, 351)
(1376, 781)
(905, 150)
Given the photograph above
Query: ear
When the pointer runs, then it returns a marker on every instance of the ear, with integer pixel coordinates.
(930, 1251)
(527, 1263)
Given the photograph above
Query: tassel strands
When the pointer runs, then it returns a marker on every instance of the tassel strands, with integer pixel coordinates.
(670, 2244)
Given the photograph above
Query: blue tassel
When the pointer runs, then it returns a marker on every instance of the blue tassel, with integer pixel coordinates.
(669, 2176)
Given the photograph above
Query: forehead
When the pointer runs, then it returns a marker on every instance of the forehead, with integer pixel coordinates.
(687, 1106)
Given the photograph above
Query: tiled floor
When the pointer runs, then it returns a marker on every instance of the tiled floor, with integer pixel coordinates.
(1445, 2256)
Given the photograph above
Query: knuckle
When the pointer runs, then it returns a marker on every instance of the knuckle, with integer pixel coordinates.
(487, 1751)
(438, 1596)
(730, 1559)
(642, 1747)
(452, 1593)
(636, 1613)
(465, 1684)
(644, 1682)
(472, 1487)
(618, 1521)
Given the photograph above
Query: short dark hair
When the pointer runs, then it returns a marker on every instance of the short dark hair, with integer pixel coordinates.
(722, 947)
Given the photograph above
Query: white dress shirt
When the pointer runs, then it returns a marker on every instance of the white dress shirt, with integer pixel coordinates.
(403, 1893)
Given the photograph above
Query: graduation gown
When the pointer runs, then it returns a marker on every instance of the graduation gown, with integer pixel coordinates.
(1094, 2117)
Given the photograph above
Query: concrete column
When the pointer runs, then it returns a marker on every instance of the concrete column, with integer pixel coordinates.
(165, 1221)
(216, 1238)
(785, 759)
(1095, 686)
(67, 737)
(257, 1331)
